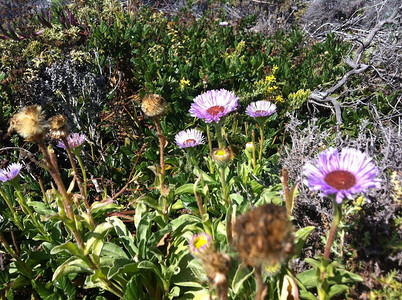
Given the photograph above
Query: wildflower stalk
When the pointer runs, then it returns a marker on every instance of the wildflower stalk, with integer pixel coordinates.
(262, 289)
(254, 156)
(10, 206)
(82, 188)
(67, 202)
(42, 188)
(225, 194)
(261, 125)
(334, 227)
(25, 207)
(19, 261)
(162, 141)
(219, 136)
(211, 164)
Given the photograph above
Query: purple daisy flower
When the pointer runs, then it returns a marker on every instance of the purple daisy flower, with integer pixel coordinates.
(346, 174)
(10, 172)
(213, 105)
(200, 244)
(74, 140)
(260, 109)
(189, 138)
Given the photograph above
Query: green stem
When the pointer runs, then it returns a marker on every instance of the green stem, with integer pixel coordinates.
(225, 190)
(10, 206)
(334, 227)
(28, 210)
(219, 136)
(10, 250)
(211, 163)
(262, 125)
(253, 142)
(84, 187)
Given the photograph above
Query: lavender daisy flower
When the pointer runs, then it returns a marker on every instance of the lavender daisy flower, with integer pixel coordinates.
(10, 172)
(74, 140)
(344, 175)
(213, 105)
(189, 138)
(260, 109)
(200, 244)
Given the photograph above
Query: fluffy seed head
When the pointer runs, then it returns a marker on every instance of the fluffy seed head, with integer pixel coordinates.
(153, 105)
(30, 123)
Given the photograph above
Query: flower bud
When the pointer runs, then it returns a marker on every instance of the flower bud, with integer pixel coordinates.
(222, 157)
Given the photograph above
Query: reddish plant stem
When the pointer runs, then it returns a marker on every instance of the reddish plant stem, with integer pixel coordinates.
(79, 182)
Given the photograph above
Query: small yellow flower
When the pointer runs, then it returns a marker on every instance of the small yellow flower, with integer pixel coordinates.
(183, 83)
(274, 69)
(279, 98)
(270, 79)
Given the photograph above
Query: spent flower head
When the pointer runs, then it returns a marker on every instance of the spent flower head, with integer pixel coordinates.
(30, 123)
(214, 105)
(10, 172)
(58, 127)
(153, 105)
(341, 174)
(74, 140)
(189, 138)
(264, 236)
(261, 108)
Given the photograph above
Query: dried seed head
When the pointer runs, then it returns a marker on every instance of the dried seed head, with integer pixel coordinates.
(153, 105)
(58, 127)
(217, 267)
(264, 236)
(30, 123)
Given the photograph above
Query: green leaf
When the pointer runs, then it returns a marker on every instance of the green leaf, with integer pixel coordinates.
(301, 237)
(241, 275)
(134, 288)
(122, 266)
(187, 188)
(114, 251)
(337, 289)
(71, 265)
(68, 247)
(95, 242)
(308, 278)
(314, 263)
(124, 236)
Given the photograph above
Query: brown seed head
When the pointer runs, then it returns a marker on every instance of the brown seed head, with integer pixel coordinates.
(58, 127)
(264, 236)
(30, 123)
(153, 105)
(217, 267)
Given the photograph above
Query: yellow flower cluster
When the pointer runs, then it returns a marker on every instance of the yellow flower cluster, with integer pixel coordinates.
(183, 83)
